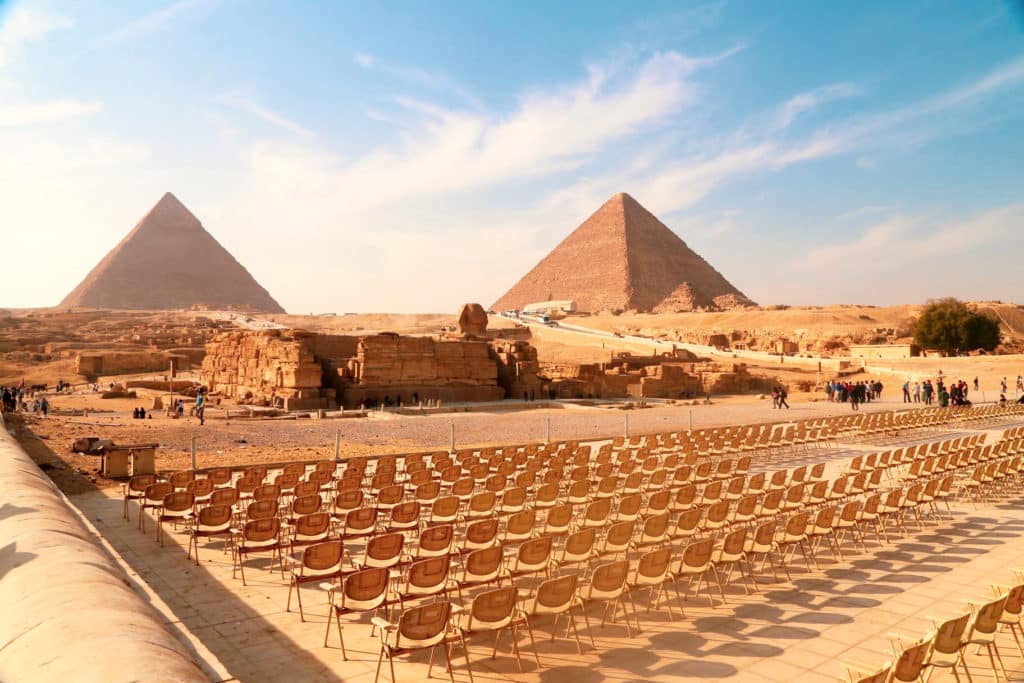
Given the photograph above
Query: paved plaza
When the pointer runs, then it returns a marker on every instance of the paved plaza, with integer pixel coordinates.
(788, 630)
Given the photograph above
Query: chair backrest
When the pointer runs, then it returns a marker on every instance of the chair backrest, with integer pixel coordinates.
(482, 531)
(248, 484)
(219, 476)
(320, 557)
(484, 562)
(535, 550)
(215, 515)
(949, 635)
(348, 499)
(610, 577)
(521, 522)
(429, 573)
(425, 626)
(179, 501)
(155, 493)
(306, 505)
(180, 479)
(698, 554)
(797, 524)
(393, 494)
(654, 564)
(405, 513)
(384, 549)
(361, 520)
(555, 594)
(267, 491)
(735, 541)
(437, 538)
(986, 619)
(313, 525)
(494, 606)
(200, 487)
(259, 530)
(138, 484)
(261, 509)
(1015, 599)
(910, 663)
(224, 497)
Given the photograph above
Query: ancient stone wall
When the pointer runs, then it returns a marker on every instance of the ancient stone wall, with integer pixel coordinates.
(297, 370)
(125, 362)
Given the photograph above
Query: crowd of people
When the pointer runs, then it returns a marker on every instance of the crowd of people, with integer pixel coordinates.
(854, 393)
(20, 398)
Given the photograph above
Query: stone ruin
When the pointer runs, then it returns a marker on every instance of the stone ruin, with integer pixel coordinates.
(299, 370)
(677, 375)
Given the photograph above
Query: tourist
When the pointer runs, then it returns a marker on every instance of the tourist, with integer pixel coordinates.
(1003, 385)
(201, 407)
(44, 406)
(943, 396)
(1020, 384)
(976, 384)
(878, 389)
(142, 413)
(830, 391)
(1002, 399)
(782, 398)
(135, 413)
(906, 392)
(775, 397)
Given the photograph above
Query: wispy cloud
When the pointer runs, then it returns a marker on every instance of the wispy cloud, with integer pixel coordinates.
(869, 210)
(28, 114)
(431, 80)
(903, 240)
(24, 25)
(809, 101)
(550, 130)
(241, 102)
(153, 22)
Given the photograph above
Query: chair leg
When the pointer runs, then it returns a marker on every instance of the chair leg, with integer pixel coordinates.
(533, 643)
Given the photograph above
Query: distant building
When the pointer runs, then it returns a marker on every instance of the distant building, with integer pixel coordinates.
(884, 350)
(566, 306)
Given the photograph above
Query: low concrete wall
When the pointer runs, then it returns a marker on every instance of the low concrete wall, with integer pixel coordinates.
(66, 612)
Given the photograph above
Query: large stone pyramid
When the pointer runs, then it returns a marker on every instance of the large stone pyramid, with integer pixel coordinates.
(624, 258)
(169, 261)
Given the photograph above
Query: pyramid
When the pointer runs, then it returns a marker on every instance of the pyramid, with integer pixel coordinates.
(169, 261)
(624, 258)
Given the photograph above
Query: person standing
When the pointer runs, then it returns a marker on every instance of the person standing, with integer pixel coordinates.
(44, 406)
(906, 391)
(201, 407)
(1003, 385)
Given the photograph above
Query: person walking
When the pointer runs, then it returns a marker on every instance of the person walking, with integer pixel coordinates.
(783, 394)
(201, 407)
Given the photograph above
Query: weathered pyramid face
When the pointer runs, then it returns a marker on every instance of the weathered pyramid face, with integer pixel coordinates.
(169, 261)
(624, 258)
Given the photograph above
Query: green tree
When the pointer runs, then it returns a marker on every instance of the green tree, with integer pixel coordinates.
(950, 325)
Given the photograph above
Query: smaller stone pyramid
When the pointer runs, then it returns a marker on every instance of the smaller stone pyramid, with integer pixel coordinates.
(169, 261)
(624, 258)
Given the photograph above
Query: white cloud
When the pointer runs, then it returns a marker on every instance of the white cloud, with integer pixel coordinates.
(809, 101)
(904, 240)
(153, 22)
(364, 60)
(33, 113)
(24, 25)
(243, 103)
(869, 210)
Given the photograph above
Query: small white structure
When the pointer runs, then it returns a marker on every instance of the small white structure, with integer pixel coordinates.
(566, 306)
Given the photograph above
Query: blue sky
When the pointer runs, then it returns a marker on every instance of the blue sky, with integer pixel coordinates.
(413, 156)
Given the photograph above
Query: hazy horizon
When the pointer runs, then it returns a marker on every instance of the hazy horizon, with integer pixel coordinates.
(410, 158)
